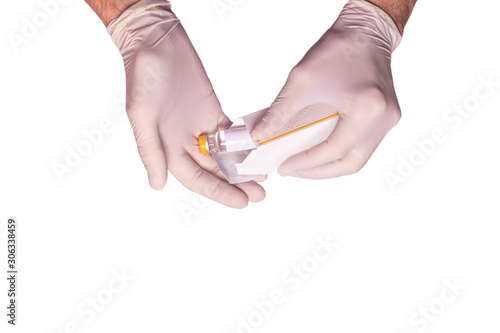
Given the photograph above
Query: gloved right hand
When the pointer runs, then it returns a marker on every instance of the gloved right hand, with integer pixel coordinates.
(170, 102)
(349, 68)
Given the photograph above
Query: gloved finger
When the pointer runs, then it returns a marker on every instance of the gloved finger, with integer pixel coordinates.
(151, 151)
(253, 191)
(339, 142)
(201, 181)
(286, 105)
(261, 179)
(224, 122)
(349, 164)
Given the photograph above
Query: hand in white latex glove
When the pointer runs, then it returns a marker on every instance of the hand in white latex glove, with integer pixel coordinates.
(170, 102)
(350, 69)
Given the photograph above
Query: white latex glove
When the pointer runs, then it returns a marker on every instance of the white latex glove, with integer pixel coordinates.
(350, 69)
(170, 102)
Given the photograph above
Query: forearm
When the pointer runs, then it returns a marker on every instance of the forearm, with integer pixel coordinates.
(398, 10)
(108, 10)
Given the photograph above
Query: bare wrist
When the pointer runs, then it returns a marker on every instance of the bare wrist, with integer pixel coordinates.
(398, 10)
(108, 10)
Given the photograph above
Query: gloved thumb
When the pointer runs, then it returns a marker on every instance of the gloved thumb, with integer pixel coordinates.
(151, 151)
(286, 105)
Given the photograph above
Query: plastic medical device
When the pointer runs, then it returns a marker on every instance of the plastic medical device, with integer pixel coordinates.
(242, 159)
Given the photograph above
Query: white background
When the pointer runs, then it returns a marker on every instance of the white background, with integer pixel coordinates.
(200, 270)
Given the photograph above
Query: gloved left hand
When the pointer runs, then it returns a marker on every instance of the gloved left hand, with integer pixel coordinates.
(170, 102)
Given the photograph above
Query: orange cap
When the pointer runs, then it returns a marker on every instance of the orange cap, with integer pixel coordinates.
(202, 142)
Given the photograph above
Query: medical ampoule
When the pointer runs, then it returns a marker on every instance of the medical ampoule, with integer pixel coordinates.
(230, 140)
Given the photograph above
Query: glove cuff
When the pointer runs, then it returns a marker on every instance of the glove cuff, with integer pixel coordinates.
(361, 13)
(143, 15)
